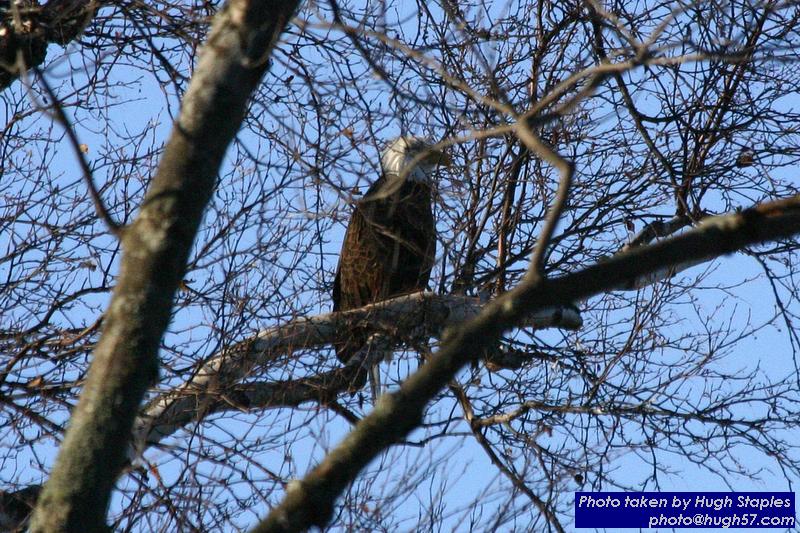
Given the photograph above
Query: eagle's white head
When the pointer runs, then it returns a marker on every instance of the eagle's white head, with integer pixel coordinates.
(412, 158)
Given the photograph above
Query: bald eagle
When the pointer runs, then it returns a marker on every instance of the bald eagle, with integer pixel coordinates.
(390, 244)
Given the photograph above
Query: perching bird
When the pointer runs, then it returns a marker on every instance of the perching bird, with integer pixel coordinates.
(390, 244)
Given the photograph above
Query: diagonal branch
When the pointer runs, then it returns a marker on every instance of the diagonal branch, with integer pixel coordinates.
(216, 385)
(60, 116)
(155, 250)
(516, 480)
(310, 501)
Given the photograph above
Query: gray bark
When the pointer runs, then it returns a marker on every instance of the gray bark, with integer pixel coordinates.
(310, 501)
(155, 249)
(215, 386)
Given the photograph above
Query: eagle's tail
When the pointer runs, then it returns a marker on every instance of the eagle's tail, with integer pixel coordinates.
(375, 383)
(375, 360)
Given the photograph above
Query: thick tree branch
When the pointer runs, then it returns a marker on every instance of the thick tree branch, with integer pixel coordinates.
(652, 233)
(311, 501)
(216, 385)
(156, 247)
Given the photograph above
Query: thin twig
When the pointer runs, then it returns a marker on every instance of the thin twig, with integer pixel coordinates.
(516, 480)
(61, 117)
(567, 169)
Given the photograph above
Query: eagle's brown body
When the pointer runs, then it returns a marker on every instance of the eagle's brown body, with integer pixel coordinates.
(388, 250)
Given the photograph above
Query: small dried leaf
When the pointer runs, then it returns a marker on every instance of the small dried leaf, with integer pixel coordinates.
(154, 470)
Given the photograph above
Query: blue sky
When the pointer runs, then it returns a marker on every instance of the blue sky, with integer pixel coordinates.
(310, 217)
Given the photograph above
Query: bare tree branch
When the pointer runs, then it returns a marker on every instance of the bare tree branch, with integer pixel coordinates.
(519, 483)
(310, 501)
(666, 114)
(61, 117)
(214, 387)
(156, 247)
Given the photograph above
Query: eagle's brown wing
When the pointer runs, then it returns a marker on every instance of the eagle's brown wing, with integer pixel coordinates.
(410, 235)
(359, 279)
(388, 250)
